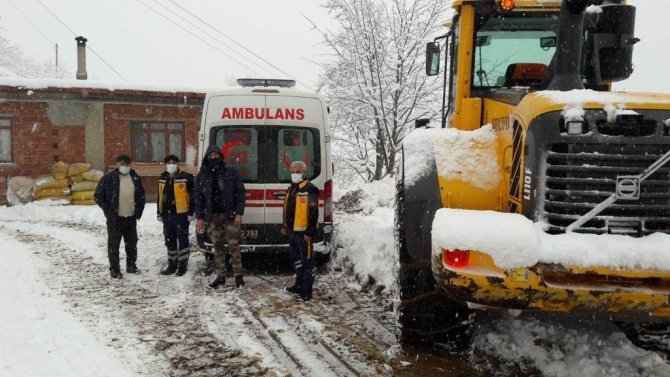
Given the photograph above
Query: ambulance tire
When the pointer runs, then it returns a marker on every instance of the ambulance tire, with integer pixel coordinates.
(322, 258)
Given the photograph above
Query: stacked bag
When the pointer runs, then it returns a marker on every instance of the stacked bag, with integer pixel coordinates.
(74, 183)
(55, 186)
(83, 181)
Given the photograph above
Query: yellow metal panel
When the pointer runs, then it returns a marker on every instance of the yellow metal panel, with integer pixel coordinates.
(464, 63)
(470, 116)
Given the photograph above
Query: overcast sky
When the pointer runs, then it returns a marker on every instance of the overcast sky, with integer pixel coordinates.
(144, 47)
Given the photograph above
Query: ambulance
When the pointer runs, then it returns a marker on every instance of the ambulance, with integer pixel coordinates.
(261, 128)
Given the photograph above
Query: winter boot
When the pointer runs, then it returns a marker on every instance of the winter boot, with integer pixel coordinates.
(171, 268)
(183, 267)
(220, 280)
(115, 274)
(132, 269)
(293, 289)
(239, 281)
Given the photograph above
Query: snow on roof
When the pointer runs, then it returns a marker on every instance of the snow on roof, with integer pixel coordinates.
(512, 240)
(469, 156)
(36, 84)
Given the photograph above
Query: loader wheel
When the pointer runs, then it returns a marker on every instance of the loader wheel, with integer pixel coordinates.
(426, 314)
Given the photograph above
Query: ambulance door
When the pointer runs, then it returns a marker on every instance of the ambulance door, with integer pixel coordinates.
(294, 133)
(242, 142)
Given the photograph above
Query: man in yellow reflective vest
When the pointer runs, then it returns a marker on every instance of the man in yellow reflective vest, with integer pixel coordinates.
(301, 215)
(175, 211)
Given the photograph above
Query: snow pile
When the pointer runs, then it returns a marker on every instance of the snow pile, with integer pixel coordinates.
(563, 351)
(364, 233)
(595, 9)
(469, 156)
(512, 240)
(39, 336)
(573, 111)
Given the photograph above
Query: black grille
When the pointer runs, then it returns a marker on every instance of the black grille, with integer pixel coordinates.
(581, 176)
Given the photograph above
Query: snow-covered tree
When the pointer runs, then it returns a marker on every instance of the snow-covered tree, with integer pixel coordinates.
(375, 82)
(14, 63)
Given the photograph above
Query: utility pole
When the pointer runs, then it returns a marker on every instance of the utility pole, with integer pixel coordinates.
(56, 57)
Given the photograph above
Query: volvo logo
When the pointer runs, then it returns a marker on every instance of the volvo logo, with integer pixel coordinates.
(628, 187)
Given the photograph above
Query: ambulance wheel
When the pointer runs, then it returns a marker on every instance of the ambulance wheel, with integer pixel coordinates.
(322, 258)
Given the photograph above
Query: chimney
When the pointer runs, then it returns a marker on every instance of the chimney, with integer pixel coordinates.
(81, 58)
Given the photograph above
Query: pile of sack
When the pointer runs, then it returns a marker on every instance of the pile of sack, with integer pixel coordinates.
(73, 183)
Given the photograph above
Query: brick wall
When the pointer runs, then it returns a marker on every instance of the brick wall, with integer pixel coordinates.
(117, 120)
(37, 143)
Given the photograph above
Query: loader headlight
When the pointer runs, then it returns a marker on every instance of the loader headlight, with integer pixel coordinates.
(574, 127)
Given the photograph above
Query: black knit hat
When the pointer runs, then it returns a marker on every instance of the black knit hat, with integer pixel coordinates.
(124, 158)
(171, 157)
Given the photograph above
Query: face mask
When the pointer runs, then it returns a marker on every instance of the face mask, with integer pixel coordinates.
(171, 168)
(124, 169)
(296, 177)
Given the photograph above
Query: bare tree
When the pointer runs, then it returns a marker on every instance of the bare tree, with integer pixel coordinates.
(14, 63)
(376, 82)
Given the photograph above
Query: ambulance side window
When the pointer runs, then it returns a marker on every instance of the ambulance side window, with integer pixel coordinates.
(239, 146)
(295, 144)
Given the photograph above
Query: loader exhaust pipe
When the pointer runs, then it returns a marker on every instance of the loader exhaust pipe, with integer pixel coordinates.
(569, 52)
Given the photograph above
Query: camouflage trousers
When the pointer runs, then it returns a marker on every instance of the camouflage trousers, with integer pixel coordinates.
(220, 232)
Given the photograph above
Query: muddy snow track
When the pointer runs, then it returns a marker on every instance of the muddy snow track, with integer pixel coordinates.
(188, 329)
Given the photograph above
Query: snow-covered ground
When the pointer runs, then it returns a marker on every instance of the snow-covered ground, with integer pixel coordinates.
(62, 315)
(38, 336)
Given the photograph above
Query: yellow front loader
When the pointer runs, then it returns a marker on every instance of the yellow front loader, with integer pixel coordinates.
(542, 189)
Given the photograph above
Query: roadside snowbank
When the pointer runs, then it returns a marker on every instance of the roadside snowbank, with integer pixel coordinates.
(364, 233)
(39, 336)
(515, 241)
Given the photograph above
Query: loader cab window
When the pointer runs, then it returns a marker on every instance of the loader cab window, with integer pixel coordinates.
(513, 50)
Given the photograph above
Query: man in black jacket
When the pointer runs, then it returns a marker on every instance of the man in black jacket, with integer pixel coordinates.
(175, 210)
(301, 217)
(121, 196)
(219, 202)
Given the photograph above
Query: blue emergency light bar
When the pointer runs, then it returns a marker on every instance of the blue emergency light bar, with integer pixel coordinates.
(246, 83)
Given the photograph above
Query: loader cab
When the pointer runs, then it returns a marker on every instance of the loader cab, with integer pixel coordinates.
(502, 50)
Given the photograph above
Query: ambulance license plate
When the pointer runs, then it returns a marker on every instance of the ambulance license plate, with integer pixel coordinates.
(249, 233)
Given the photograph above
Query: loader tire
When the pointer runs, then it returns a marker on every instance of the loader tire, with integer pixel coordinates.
(425, 314)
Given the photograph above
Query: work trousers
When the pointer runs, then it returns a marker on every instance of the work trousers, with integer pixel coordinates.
(117, 228)
(175, 231)
(220, 232)
(303, 262)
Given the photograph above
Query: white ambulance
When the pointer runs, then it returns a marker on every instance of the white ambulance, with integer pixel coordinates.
(261, 128)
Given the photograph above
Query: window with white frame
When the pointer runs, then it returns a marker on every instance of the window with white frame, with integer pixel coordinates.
(5, 140)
